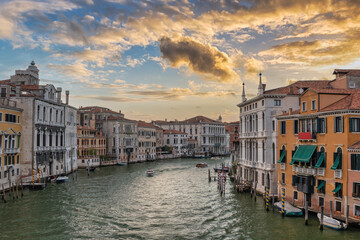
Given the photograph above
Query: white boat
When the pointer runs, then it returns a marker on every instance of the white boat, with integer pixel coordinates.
(150, 173)
(62, 179)
(290, 211)
(332, 223)
(122, 163)
(199, 155)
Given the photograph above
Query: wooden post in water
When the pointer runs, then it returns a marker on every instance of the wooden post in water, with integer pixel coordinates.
(347, 215)
(322, 218)
(273, 200)
(17, 190)
(283, 202)
(267, 198)
(22, 189)
(331, 209)
(4, 197)
(209, 175)
(255, 191)
(13, 190)
(306, 212)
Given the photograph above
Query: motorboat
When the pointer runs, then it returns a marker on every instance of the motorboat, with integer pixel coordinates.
(92, 168)
(62, 179)
(150, 173)
(332, 223)
(290, 211)
(201, 165)
(122, 163)
(199, 155)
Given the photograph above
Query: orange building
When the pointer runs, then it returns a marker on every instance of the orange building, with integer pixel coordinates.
(313, 150)
(91, 146)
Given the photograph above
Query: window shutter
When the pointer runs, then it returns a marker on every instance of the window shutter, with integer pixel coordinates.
(318, 125)
(326, 125)
(294, 180)
(350, 124)
(324, 162)
(342, 124)
(353, 159)
(294, 126)
(334, 124)
(335, 155)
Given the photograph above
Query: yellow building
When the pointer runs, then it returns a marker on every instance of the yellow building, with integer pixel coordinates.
(10, 137)
(313, 147)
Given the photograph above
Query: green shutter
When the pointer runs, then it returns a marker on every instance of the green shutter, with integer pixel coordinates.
(336, 162)
(282, 157)
(303, 153)
(321, 185)
(353, 160)
(320, 160)
(337, 188)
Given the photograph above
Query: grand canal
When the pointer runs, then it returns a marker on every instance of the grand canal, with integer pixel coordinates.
(177, 203)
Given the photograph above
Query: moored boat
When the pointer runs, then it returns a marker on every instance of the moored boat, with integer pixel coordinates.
(332, 223)
(290, 211)
(62, 179)
(201, 165)
(150, 173)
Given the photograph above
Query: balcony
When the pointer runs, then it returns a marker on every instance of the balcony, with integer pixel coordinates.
(11, 150)
(338, 173)
(305, 171)
(321, 172)
(307, 136)
(282, 166)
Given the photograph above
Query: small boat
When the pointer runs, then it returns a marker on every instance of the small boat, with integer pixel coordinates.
(200, 155)
(150, 173)
(122, 163)
(62, 179)
(201, 165)
(290, 211)
(92, 168)
(332, 223)
(221, 169)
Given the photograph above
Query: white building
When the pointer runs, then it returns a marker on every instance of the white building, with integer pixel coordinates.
(146, 142)
(209, 133)
(43, 123)
(70, 136)
(178, 140)
(257, 131)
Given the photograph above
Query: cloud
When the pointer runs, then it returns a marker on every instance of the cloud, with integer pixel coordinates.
(76, 70)
(200, 58)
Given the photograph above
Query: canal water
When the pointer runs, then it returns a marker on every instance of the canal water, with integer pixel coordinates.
(177, 203)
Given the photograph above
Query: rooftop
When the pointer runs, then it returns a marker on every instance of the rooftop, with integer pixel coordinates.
(173, 132)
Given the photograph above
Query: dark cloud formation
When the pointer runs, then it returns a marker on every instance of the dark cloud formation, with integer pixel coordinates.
(200, 58)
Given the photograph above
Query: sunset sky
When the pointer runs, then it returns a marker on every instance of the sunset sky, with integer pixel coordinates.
(176, 59)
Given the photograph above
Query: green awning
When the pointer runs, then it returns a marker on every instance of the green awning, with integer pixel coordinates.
(320, 161)
(321, 185)
(303, 153)
(282, 157)
(336, 163)
(337, 188)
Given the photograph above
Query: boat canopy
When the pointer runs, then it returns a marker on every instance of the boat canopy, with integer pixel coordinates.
(320, 161)
(303, 154)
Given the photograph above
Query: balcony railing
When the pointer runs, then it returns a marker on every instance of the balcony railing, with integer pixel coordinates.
(321, 172)
(338, 173)
(11, 150)
(282, 166)
(305, 171)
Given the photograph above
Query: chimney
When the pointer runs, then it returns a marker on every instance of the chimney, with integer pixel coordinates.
(290, 111)
(58, 94)
(17, 90)
(67, 97)
(264, 86)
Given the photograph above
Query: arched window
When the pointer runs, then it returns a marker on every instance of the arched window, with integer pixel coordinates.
(283, 154)
(56, 116)
(44, 114)
(337, 159)
(38, 112)
(321, 158)
(50, 114)
(263, 151)
(263, 121)
(44, 139)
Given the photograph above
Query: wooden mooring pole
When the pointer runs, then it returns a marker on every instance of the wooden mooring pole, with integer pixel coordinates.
(209, 175)
(273, 200)
(306, 212)
(22, 189)
(331, 209)
(347, 215)
(322, 218)
(17, 190)
(4, 196)
(267, 198)
(283, 202)
(255, 191)
(13, 190)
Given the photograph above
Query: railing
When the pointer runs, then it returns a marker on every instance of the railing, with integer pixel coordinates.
(11, 150)
(305, 171)
(338, 173)
(307, 136)
(321, 171)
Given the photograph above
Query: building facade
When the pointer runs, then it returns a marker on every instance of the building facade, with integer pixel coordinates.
(256, 160)
(10, 144)
(121, 139)
(316, 148)
(209, 134)
(146, 142)
(178, 140)
(91, 146)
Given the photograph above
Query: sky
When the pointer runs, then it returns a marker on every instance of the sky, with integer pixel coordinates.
(176, 59)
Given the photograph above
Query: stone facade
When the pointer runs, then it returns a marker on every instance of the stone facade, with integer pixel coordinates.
(146, 142)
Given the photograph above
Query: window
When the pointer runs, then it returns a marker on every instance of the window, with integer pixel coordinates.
(337, 206)
(355, 162)
(273, 153)
(3, 92)
(321, 125)
(1, 116)
(351, 85)
(321, 186)
(303, 106)
(296, 126)
(277, 102)
(356, 210)
(273, 125)
(204, 139)
(337, 160)
(338, 189)
(283, 178)
(263, 179)
(295, 195)
(262, 103)
(283, 127)
(313, 105)
(354, 124)
(356, 190)
(10, 118)
(321, 202)
(338, 125)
